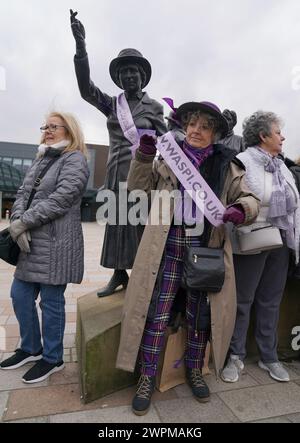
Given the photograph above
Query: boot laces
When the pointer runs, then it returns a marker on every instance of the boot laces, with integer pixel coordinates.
(145, 387)
(196, 378)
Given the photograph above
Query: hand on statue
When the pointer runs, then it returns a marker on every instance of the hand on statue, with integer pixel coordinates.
(147, 145)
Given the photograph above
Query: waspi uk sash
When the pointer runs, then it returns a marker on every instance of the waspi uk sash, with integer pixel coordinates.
(191, 179)
(127, 124)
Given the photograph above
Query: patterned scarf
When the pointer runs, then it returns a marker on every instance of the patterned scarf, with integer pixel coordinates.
(282, 203)
(188, 210)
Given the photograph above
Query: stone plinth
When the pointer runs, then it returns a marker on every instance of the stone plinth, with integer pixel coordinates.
(97, 341)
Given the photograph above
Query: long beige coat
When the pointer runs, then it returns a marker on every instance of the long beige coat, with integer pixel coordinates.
(147, 262)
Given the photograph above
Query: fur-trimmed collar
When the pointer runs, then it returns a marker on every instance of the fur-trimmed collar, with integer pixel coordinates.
(43, 148)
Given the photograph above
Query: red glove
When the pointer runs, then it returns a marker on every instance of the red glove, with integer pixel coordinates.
(147, 145)
(234, 214)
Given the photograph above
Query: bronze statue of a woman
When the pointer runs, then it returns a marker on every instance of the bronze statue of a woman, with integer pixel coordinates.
(131, 72)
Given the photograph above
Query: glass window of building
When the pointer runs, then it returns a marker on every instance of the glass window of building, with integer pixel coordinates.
(17, 163)
(7, 160)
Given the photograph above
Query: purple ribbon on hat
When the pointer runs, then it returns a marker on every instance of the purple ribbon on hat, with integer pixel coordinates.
(172, 115)
(170, 102)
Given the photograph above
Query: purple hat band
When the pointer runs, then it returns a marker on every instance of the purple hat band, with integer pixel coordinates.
(211, 105)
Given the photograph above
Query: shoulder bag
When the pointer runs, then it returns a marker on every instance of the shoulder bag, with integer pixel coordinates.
(204, 269)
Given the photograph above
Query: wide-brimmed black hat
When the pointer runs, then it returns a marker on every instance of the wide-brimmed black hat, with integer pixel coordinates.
(207, 107)
(129, 55)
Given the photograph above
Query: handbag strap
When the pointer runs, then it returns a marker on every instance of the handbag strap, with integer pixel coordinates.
(37, 181)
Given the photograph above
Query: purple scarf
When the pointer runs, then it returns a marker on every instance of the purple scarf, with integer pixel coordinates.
(188, 212)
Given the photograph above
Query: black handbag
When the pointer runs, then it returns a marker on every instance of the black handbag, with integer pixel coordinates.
(9, 250)
(204, 269)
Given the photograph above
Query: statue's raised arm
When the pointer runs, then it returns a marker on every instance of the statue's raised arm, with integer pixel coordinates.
(88, 90)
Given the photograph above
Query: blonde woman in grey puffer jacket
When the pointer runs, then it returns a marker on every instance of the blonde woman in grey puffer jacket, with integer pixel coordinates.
(49, 234)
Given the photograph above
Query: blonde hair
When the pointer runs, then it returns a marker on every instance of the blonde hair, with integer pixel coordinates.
(73, 130)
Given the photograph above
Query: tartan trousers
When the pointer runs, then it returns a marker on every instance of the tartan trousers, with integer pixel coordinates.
(154, 331)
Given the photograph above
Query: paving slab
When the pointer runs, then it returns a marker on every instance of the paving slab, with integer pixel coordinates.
(218, 385)
(26, 403)
(121, 414)
(263, 377)
(11, 344)
(69, 340)
(12, 330)
(70, 328)
(189, 410)
(295, 418)
(60, 398)
(3, 402)
(31, 420)
(283, 419)
(71, 308)
(70, 302)
(8, 310)
(12, 379)
(250, 404)
(12, 320)
(294, 366)
(3, 319)
(68, 376)
(71, 317)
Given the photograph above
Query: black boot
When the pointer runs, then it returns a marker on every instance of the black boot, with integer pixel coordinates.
(119, 278)
(197, 384)
(142, 400)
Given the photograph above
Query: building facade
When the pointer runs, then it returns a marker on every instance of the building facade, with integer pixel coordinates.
(16, 158)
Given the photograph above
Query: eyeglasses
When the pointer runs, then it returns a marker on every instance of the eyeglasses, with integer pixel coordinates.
(51, 127)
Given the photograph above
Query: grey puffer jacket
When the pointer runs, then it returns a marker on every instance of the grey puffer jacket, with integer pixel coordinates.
(53, 219)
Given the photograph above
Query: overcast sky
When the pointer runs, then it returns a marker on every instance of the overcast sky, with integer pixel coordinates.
(240, 54)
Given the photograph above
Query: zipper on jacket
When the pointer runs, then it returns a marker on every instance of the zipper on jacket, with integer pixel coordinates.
(52, 231)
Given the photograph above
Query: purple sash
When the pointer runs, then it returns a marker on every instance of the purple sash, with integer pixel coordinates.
(191, 179)
(127, 124)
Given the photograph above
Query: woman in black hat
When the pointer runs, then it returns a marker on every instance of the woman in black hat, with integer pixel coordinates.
(161, 256)
(131, 72)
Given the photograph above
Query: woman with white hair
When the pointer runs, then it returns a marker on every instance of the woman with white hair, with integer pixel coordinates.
(46, 224)
(261, 273)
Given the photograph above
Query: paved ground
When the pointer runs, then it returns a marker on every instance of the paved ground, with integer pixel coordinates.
(256, 397)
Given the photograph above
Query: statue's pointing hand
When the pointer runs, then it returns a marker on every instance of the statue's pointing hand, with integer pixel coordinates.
(77, 27)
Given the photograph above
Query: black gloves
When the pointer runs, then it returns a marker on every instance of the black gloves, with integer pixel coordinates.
(79, 34)
(147, 144)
